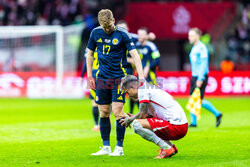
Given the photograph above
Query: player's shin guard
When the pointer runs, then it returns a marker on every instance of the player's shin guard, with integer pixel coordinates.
(105, 128)
(207, 105)
(95, 114)
(120, 132)
(149, 135)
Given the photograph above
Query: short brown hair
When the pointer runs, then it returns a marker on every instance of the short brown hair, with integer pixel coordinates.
(105, 16)
(196, 30)
(145, 29)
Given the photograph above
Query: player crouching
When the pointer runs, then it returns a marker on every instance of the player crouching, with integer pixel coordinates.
(160, 118)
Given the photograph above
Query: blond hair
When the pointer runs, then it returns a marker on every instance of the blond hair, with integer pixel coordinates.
(196, 30)
(105, 16)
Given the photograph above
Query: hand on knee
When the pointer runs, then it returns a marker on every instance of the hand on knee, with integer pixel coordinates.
(119, 115)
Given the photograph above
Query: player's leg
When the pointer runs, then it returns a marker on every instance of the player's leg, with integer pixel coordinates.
(95, 111)
(118, 100)
(105, 129)
(103, 99)
(117, 109)
(193, 122)
(143, 128)
(208, 105)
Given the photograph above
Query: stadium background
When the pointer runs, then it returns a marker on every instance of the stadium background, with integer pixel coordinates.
(41, 56)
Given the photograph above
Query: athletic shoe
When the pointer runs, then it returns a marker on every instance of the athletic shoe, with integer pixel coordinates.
(118, 151)
(218, 120)
(104, 151)
(192, 126)
(96, 128)
(175, 149)
(166, 153)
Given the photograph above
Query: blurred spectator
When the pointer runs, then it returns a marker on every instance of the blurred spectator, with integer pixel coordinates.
(246, 15)
(39, 12)
(227, 65)
(232, 45)
(238, 39)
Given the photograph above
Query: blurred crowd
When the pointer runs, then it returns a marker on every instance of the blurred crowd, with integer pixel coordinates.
(54, 12)
(40, 12)
(238, 39)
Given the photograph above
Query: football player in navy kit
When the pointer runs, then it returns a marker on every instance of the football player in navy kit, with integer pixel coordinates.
(112, 44)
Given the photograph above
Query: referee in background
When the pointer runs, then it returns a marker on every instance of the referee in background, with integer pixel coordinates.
(199, 58)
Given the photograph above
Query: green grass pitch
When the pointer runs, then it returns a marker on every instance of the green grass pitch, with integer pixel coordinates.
(58, 133)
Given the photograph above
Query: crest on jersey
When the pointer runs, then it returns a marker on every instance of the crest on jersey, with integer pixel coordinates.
(96, 98)
(115, 41)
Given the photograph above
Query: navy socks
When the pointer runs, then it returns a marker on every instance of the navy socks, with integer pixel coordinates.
(120, 132)
(105, 128)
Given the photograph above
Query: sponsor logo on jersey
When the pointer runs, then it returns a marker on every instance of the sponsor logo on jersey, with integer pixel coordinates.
(120, 98)
(132, 44)
(99, 40)
(107, 40)
(115, 41)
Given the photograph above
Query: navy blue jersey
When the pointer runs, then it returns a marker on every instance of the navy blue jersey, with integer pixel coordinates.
(150, 54)
(111, 50)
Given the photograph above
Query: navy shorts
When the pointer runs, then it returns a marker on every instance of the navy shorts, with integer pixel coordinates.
(108, 91)
(202, 88)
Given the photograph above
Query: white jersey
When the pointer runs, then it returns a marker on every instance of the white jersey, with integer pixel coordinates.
(161, 104)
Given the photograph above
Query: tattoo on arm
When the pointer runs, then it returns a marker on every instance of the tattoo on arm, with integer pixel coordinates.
(143, 111)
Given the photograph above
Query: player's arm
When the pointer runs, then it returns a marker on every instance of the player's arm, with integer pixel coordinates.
(134, 54)
(143, 113)
(130, 60)
(90, 59)
(144, 98)
(203, 67)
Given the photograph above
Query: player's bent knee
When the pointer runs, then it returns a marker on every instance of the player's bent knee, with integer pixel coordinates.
(136, 126)
(118, 115)
(104, 114)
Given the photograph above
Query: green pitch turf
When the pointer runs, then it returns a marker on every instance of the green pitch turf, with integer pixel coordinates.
(58, 133)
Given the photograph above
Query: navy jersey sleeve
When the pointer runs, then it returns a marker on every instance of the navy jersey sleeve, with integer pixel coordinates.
(134, 37)
(128, 41)
(92, 43)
